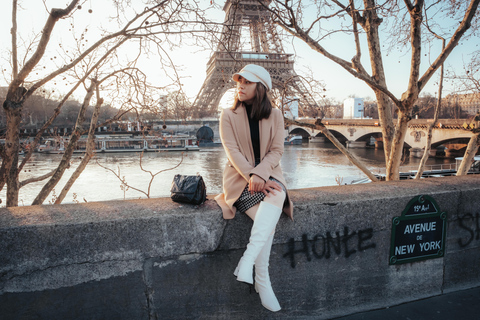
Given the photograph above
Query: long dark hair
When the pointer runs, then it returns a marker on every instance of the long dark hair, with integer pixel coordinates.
(261, 104)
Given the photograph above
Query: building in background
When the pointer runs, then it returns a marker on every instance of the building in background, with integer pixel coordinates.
(469, 103)
(353, 108)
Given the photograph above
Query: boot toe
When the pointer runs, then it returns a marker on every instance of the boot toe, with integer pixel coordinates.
(268, 298)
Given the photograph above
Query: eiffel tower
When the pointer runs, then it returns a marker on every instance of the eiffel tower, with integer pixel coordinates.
(266, 50)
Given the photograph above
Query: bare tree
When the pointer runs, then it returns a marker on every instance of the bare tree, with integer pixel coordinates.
(126, 186)
(153, 28)
(404, 20)
(428, 102)
(425, 106)
(371, 108)
(468, 80)
(179, 105)
(65, 162)
(330, 108)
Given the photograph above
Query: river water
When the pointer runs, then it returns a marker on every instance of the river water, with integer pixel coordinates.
(304, 166)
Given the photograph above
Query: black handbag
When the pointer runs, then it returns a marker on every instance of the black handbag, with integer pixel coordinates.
(188, 189)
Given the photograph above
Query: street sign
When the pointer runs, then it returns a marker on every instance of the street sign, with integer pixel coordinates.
(419, 233)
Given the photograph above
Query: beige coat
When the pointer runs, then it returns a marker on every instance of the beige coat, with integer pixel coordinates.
(235, 136)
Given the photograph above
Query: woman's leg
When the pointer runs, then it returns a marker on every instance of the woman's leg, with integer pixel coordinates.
(276, 199)
(265, 218)
(252, 212)
(266, 213)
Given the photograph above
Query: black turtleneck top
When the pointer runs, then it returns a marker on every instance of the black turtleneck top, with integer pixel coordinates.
(254, 133)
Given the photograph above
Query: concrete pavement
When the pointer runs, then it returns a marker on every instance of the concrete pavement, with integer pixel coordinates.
(459, 305)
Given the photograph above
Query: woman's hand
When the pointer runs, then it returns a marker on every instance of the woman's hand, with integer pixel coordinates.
(255, 184)
(270, 187)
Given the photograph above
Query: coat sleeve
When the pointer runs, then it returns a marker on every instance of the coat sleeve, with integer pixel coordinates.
(274, 149)
(231, 146)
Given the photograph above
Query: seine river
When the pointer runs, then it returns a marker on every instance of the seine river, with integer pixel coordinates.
(307, 165)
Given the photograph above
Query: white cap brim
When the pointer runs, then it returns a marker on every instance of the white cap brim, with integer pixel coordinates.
(250, 76)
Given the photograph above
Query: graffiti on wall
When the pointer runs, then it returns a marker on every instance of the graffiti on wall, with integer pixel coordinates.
(324, 246)
(347, 242)
(471, 225)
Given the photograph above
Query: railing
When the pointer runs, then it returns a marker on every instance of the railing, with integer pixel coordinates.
(411, 169)
(240, 56)
(430, 167)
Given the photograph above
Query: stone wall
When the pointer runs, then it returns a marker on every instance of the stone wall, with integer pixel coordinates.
(156, 259)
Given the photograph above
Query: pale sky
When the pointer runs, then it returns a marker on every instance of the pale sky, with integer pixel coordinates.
(339, 83)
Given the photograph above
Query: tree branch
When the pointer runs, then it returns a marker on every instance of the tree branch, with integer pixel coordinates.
(411, 95)
(54, 16)
(90, 149)
(13, 31)
(36, 179)
(299, 33)
(462, 28)
(57, 110)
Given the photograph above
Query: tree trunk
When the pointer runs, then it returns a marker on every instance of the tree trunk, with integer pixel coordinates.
(359, 164)
(371, 26)
(467, 161)
(90, 152)
(65, 162)
(386, 122)
(12, 147)
(3, 169)
(15, 99)
(410, 96)
(393, 163)
(426, 152)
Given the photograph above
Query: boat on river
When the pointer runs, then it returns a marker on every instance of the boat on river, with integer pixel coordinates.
(293, 139)
(123, 143)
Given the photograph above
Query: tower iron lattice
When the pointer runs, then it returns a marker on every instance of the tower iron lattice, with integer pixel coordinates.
(266, 50)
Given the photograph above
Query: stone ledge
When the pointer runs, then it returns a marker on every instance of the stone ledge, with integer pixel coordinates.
(85, 247)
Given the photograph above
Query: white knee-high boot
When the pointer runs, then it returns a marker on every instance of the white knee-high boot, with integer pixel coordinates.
(265, 222)
(262, 278)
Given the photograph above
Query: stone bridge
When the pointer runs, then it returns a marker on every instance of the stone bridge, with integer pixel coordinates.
(357, 132)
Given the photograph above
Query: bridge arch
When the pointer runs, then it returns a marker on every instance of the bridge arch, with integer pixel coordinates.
(205, 135)
(464, 141)
(371, 137)
(300, 131)
(339, 135)
(449, 133)
(454, 147)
